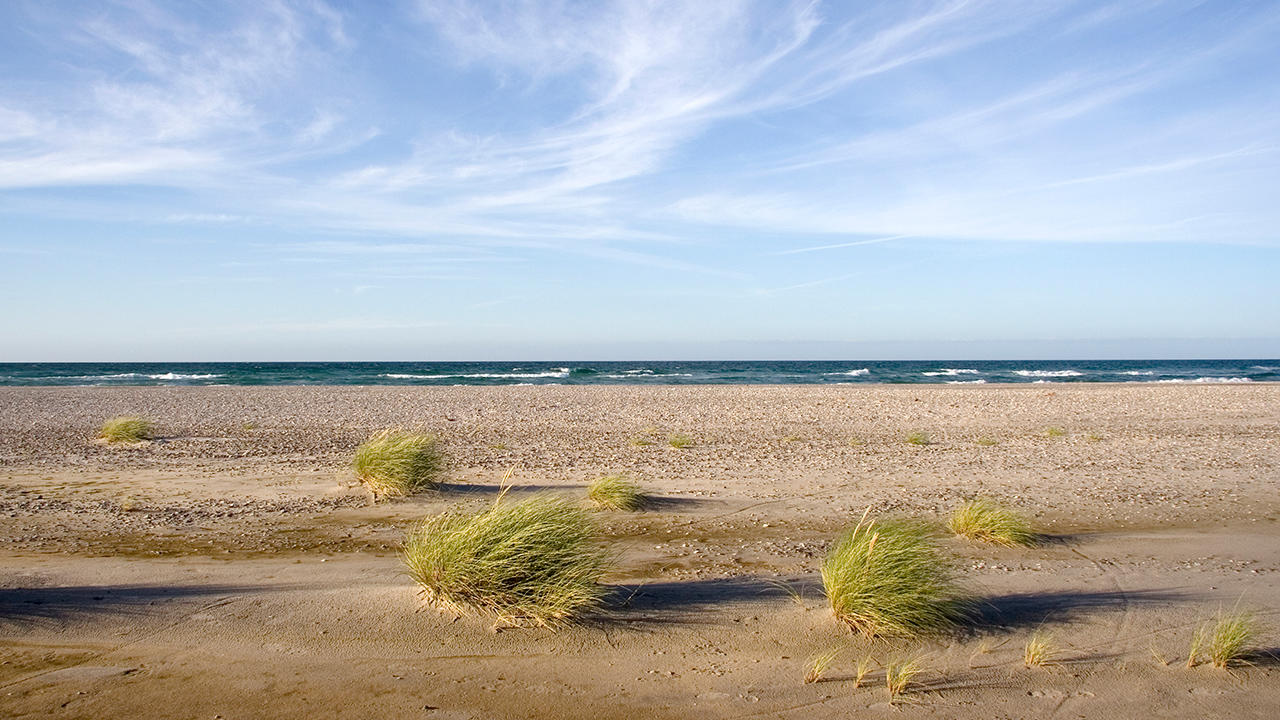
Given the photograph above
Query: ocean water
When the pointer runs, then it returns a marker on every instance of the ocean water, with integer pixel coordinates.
(640, 373)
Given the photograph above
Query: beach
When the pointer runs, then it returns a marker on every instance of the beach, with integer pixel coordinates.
(233, 564)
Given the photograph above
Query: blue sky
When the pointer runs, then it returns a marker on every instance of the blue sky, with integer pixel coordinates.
(447, 180)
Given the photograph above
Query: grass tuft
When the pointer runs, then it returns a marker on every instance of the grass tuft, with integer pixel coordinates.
(679, 440)
(1198, 639)
(986, 521)
(819, 665)
(898, 677)
(890, 579)
(1040, 650)
(856, 441)
(1228, 640)
(861, 669)
(615, 492)
(536, 560)
(394, 463)
(128, 428)
(986, 441)
(1054, 431)
(918, 437)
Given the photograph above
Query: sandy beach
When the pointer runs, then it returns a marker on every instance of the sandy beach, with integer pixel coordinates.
(233, 568)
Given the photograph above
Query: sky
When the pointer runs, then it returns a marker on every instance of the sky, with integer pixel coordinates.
(448, 180)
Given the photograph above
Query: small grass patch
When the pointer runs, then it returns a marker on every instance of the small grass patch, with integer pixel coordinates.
(819, 665)
(615, 492)
(898, 676)
(532, 561)
(792, 438)
(918, 438)
(679, 440)
(1040, 650)
(986, 441)
(1197, 645)
(1054, 431)
(394, 463)
(986, 521)
(891, 579)
(1094, 437)
(1227, 641)
(861, 669)
(856, 441)
(127, 428)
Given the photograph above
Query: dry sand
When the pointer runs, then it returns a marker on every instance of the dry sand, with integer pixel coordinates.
(230, 569)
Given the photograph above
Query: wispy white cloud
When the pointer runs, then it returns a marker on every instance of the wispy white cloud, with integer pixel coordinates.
(595, 114)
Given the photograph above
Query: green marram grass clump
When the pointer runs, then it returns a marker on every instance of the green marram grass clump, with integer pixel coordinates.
(615, 492)
(128, 428)
(986, 521)
(679, 441)
(889, 578)
(918, 437)
(394, 463)
(536, 561)
(1227, 641)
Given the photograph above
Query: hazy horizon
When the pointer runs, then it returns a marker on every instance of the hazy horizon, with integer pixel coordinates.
(728, 351)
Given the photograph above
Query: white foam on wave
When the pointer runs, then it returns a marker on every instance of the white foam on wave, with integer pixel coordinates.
(629, 376)
(979, 381)
(182, 376)
(1264, 368)
(117, 376)
(1207, 380)
(952, 372)
(853, 373)
(1048, 373)
(1138, 372)
(557, 373)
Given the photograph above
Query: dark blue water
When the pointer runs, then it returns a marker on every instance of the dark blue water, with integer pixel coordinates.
(640, 373)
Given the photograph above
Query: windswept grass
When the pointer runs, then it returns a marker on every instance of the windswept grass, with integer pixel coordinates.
(861, 669)
(1040, 650)
(918, 437)
(986, 441)
(1054, 431)
(615, 492)
(898, 676)
(819, 665)
(1198, 639)
(986, 521)
(891, 579)
(127, 428)
(679, 440)
(394, 463)
(532, 561)
(1227, 640)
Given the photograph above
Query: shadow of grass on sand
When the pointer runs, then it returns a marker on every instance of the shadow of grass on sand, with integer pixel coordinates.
(47, 605)
(1016, 611)
(993, 614)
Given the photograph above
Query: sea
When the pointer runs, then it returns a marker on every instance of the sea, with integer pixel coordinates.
(755, 372)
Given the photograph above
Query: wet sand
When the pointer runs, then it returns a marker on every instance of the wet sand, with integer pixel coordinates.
(231, 567)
